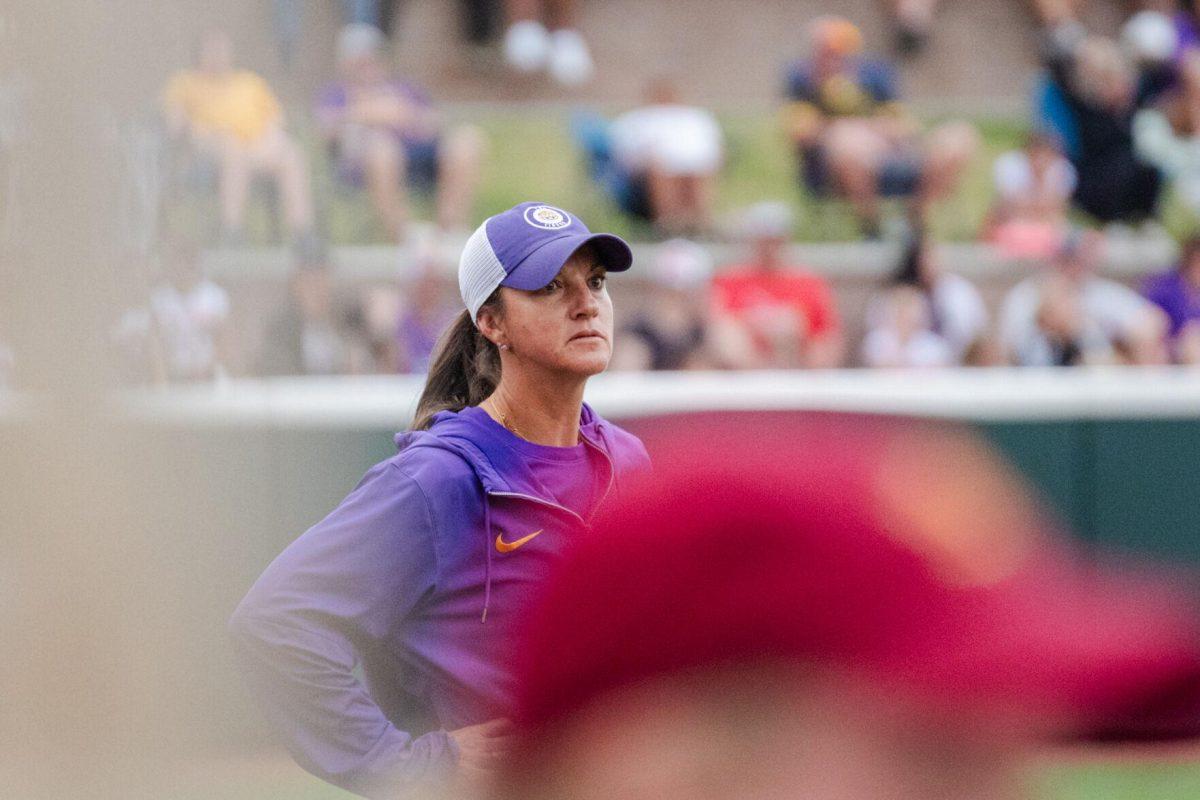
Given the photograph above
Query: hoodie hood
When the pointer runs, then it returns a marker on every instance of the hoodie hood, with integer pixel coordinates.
(500, 468)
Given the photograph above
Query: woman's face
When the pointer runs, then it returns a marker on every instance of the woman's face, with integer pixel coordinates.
(566, 326)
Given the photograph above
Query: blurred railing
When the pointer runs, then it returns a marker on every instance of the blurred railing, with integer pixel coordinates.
(981, 395)
(212, 482)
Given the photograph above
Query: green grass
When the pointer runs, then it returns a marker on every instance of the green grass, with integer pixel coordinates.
(1120, 781)
(531, 156)
(1089, 780)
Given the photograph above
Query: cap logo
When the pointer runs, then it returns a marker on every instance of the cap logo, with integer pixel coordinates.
(547, 218)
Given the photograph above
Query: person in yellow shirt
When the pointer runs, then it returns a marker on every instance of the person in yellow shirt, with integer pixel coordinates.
(854, 137)
(231, 117)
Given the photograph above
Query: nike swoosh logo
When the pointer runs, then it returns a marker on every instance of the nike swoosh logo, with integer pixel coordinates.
(508, 547)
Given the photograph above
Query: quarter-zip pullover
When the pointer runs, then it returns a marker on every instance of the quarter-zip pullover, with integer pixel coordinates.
(388, 623)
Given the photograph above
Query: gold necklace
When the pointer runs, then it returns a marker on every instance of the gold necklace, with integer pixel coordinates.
(504, 420)
(513, 428)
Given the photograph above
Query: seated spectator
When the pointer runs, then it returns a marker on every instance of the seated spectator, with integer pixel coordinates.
(1167, 135)
(901, 333)
(669, 154)
(670, 331)
(1033, 192)
(229, 120)
(1177, 293)
(945, 324)
(183, 332)
(1103, 91)
(768, 314)
(314, 334)
(854, 138)
(1066, 336)
(542, 36)
(1072, 316)
(385, 134)
(429, 301)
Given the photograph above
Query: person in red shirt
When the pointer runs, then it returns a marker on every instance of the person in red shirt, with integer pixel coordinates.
(769, 314)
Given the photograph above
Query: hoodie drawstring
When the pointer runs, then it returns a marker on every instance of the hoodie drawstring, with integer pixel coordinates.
(487, 546)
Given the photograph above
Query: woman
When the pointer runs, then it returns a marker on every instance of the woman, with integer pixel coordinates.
(955, 314)
(421, 573)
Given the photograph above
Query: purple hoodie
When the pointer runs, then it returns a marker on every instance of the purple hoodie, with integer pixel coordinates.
(406, 580)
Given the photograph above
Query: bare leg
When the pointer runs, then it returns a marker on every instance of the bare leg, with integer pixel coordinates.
(915, 10)
(234, 184)
(291, 170)
(705, 189)
(668, 201)
(1187, 346)
(1055, 12)
(527, 41)
(698, 193)
(459, 160)
(559, 14)
(520, 10)
(385, 167)
(1146, 341)
(948, 152)
(277, 155)
(856, 154)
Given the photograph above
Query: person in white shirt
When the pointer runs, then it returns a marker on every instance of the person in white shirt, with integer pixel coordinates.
(1033, 195)
(1168, 134)
(1072, 316)
(671, 153)
(182, 333)
(954, 311)
(901, 334)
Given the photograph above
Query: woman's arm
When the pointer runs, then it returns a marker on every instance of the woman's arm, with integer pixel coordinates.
(337, 590)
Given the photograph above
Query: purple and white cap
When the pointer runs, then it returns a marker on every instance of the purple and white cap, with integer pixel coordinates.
(525, 247)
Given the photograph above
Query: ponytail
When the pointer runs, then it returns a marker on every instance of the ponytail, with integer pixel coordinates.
(464, 371)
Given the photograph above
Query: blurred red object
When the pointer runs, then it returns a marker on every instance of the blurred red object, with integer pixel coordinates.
(904, 554)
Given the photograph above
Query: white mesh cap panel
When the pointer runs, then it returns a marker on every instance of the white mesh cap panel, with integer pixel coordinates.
(479, 271)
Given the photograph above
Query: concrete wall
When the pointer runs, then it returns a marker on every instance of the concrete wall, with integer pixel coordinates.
(723, 52)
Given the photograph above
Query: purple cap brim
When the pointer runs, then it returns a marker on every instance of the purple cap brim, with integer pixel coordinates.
(539, 267)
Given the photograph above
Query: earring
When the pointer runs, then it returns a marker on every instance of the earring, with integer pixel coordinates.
(504, 347)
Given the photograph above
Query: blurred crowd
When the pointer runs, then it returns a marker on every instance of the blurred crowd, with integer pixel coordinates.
(1115, 125)
(684, 311)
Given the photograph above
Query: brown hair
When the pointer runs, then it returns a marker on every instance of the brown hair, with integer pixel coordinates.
(465, 368)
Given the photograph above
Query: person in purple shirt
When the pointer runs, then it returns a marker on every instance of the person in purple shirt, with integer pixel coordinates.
(384, 133)
(1177, 293)
(426, 311)
(378, 642)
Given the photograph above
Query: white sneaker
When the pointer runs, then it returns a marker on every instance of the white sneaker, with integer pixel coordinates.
(570, 62)
(527, 46)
